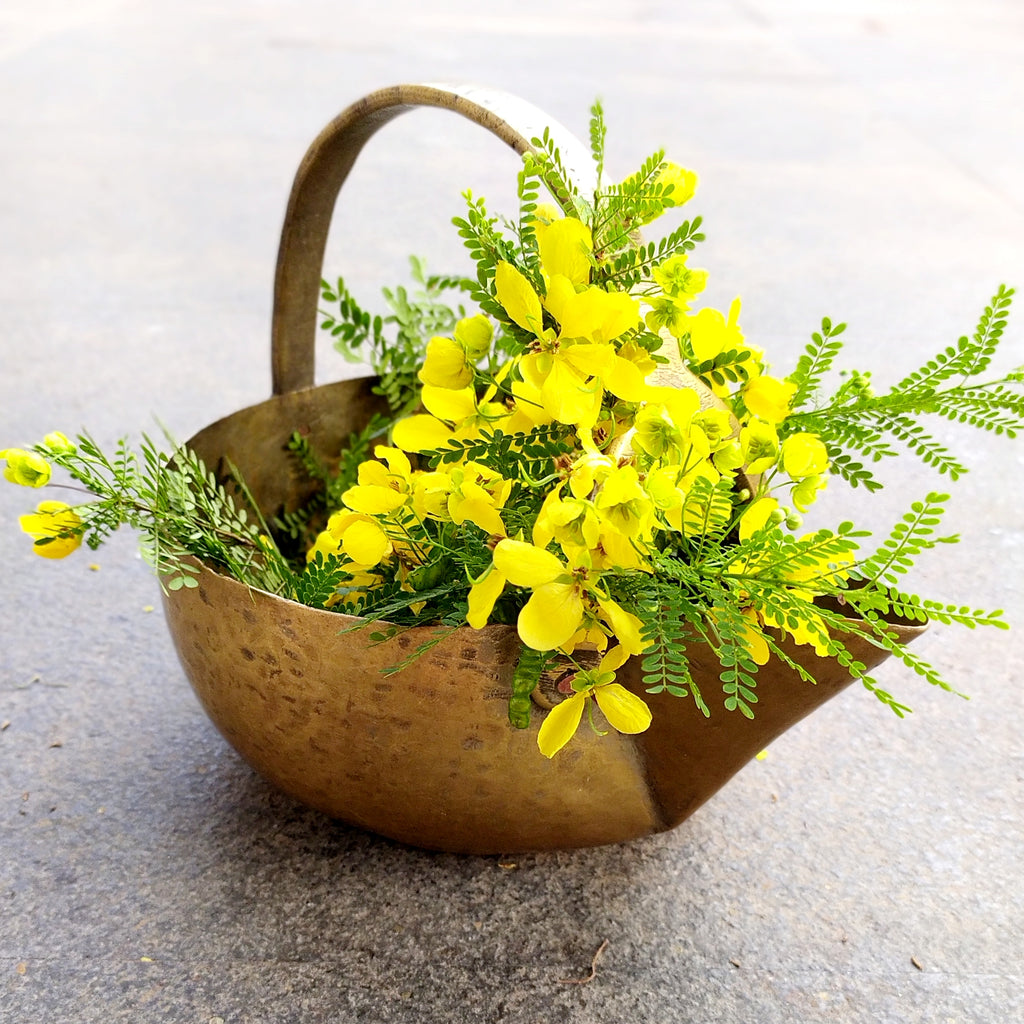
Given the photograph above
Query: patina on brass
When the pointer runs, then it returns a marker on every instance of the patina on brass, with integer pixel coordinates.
(427, 756)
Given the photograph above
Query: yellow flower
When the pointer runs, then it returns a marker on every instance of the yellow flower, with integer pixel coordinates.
(55, 527)
(768, 398)
(610, 531)
(683, 182)
(806, 492)
(476, 494)
(668, 313)
(354, 534)
(678, 280)
(572, 522)
(622, 502)
(381, 489)
(625, 712)
(569, 370)
(760, 445)
(430, 492)
(804, 455)
(456, 406)
(729, 457)
(711, 333)
(563, 596)
(567, 381)
(25, 468)
(655, 432)
(716, 426)
(590, 469)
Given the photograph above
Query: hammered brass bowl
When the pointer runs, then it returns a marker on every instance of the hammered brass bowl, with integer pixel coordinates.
(427, 756)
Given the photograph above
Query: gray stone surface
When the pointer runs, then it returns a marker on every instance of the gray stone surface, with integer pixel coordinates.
(858, 159)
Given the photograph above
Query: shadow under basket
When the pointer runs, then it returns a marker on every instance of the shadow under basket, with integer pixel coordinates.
(427, 756)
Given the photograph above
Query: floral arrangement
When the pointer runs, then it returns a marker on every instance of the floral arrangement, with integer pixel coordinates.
(586, 453)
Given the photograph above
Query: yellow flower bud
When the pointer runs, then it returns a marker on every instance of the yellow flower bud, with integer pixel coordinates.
(473, 333)
(445, 364)
(58, 443)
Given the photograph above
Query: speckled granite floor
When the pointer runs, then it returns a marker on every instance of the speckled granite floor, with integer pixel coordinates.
(858, 159)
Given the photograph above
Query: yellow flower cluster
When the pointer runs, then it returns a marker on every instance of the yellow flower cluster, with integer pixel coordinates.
(54, 526)
(581, 366)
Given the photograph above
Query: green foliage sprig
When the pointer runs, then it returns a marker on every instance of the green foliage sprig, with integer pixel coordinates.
(855, 421)
(393, 345)
(181, 510)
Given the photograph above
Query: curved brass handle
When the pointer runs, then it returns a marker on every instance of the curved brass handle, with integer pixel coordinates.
(323, 171)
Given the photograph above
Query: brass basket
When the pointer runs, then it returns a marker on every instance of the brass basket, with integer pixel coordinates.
(427, 756)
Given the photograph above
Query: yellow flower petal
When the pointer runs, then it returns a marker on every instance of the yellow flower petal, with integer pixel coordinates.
(768, 398)
(526, 565)
(565, 248)
(478, 511)
(756, 516)
(625, 625)
(365, 543)
(587, 359)
(804, 455)
(550, 617)
(582, 313)
(453, 406)
(625, 381)
(710, 335)
(568, 397)
(622, 313)
(683, 182)
(614, 659)
(421, 433)
(753, 638)
(373, 500)
(625, 711)
(482, 596)
(517, 296)
(560, 725)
